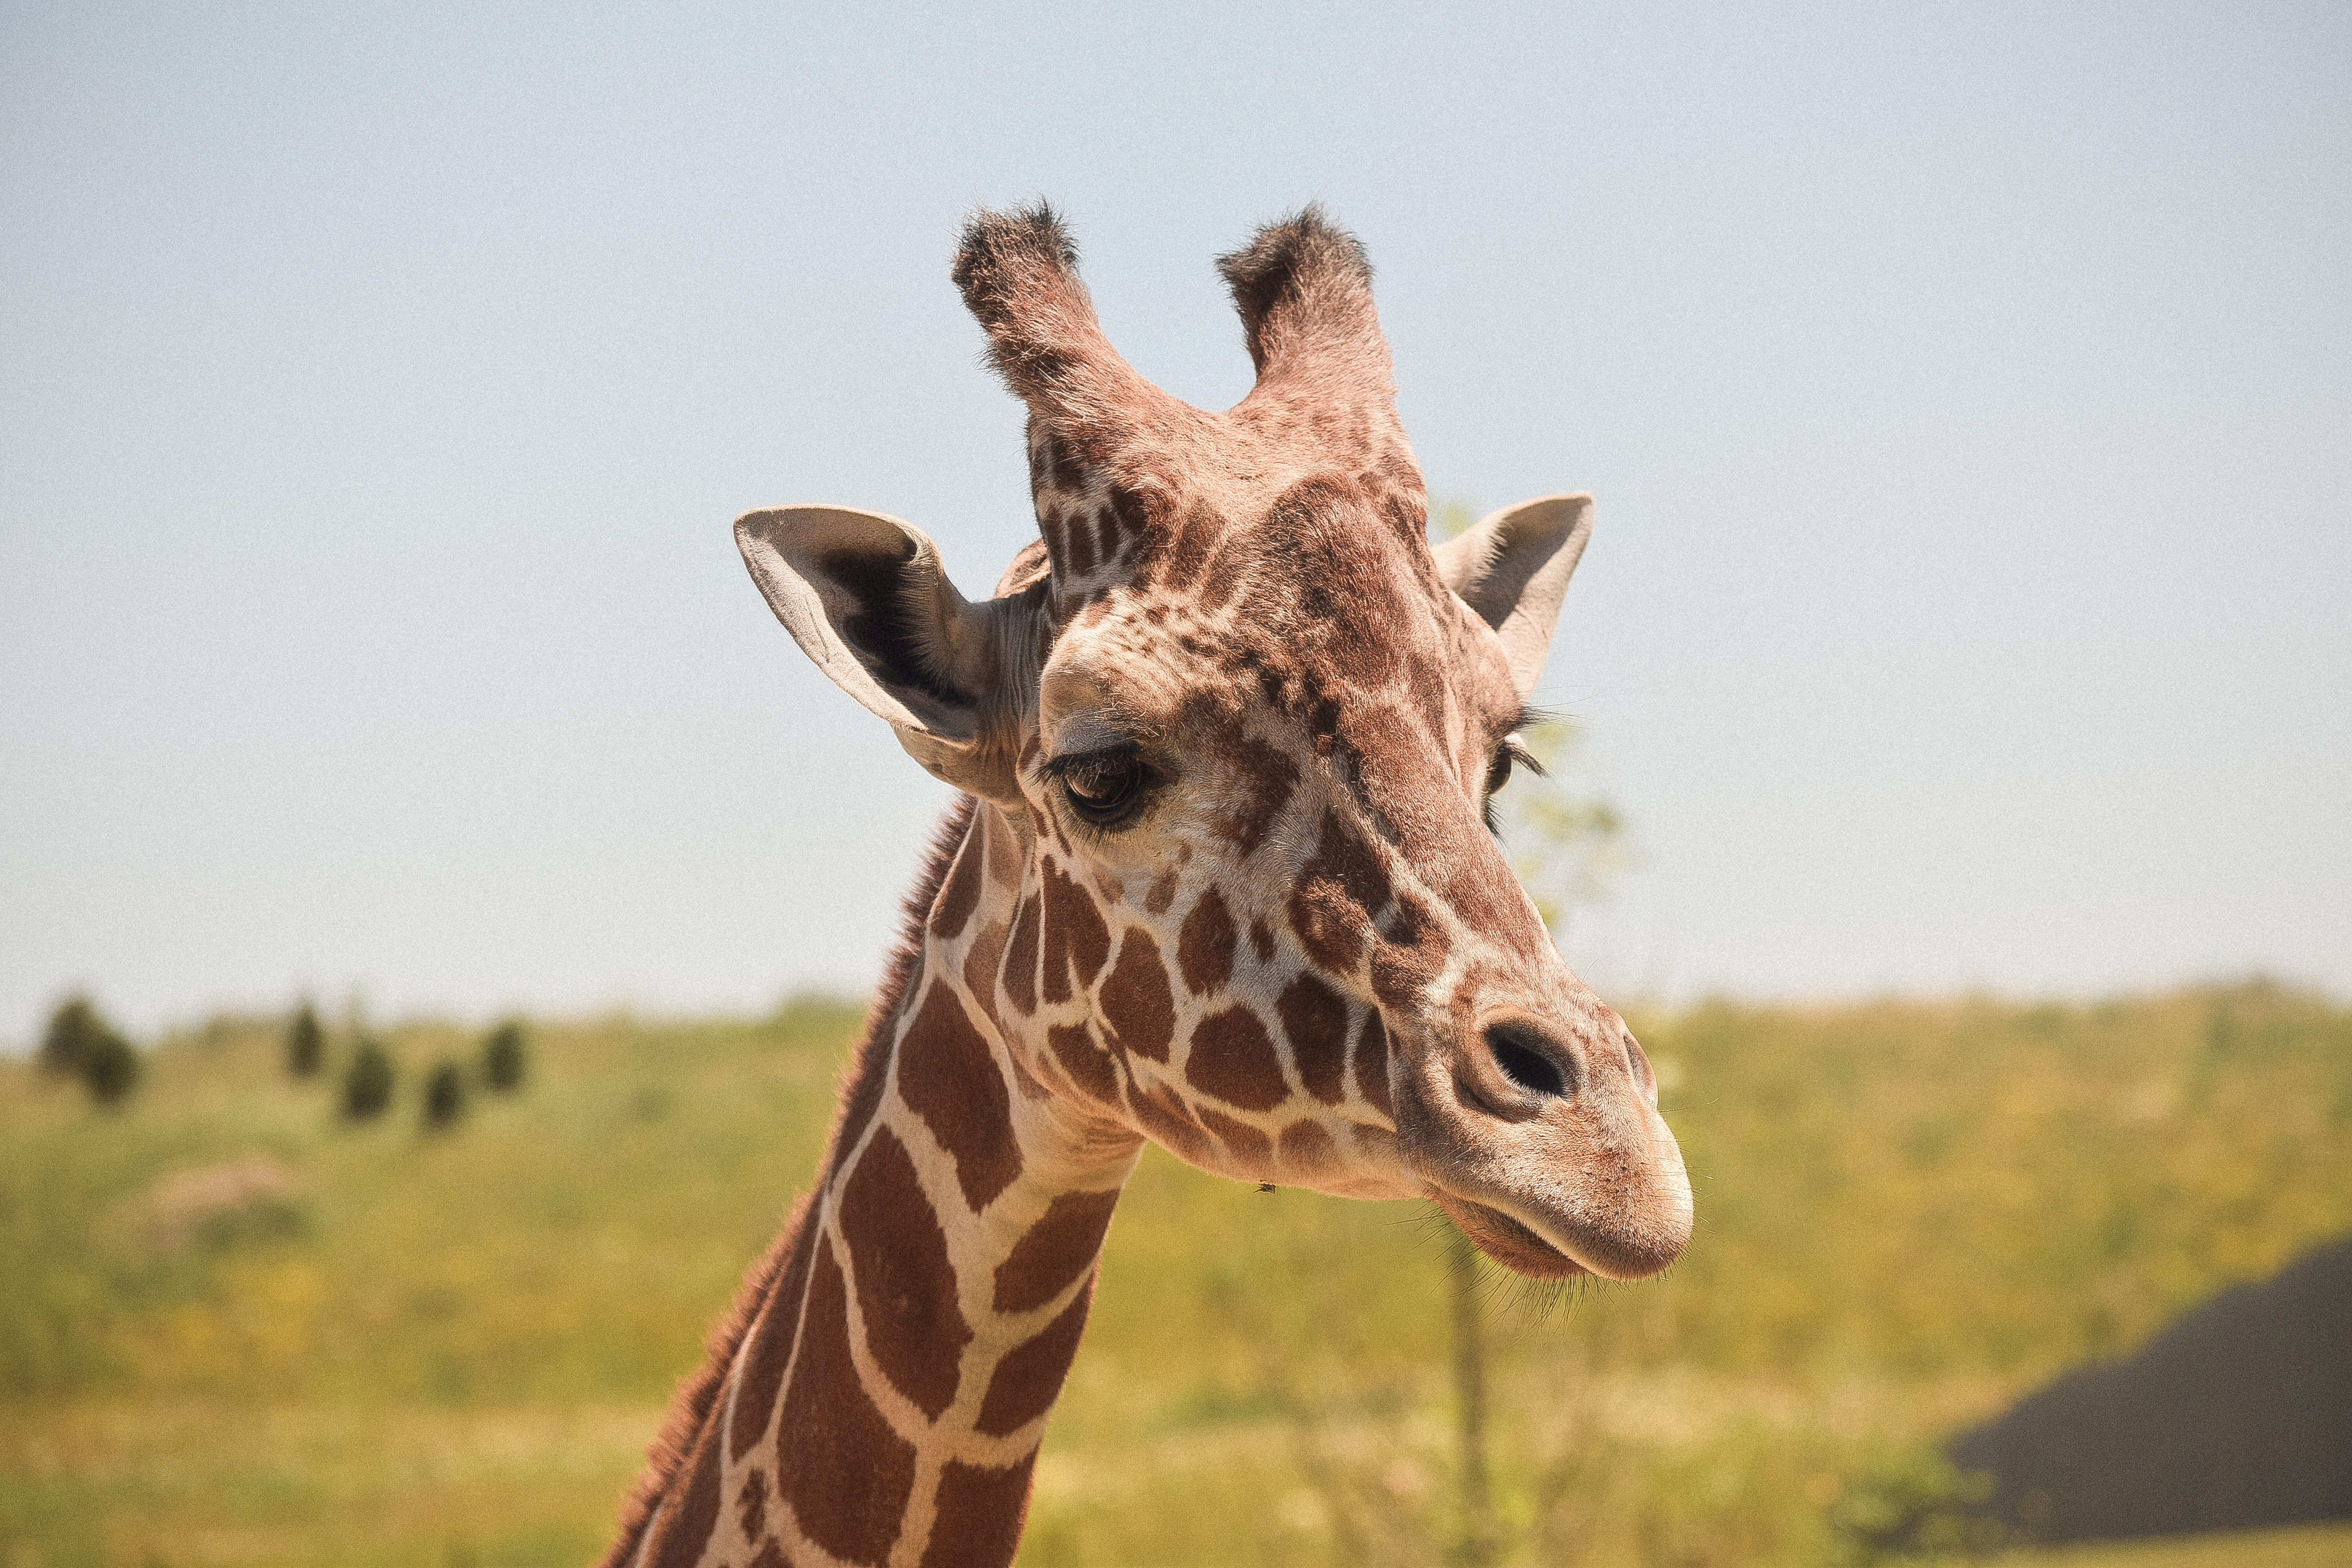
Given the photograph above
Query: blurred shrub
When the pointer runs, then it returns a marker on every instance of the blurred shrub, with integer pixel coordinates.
(82, 1044)
(444, 1096)
(503, 1059)
(306, 1044)
(368, 1082)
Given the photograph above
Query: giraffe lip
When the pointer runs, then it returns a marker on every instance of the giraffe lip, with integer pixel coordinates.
(1507, 1241)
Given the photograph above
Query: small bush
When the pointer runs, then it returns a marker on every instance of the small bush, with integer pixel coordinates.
(367, 1083)
(306, 1044)
(82, 1044)
(112, 1071)
(444, 1096)
(503, 1059)
(73, 1028)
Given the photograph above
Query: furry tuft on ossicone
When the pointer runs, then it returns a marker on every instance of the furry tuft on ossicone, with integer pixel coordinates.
(995, 243)
(1301, 277)
(1018, 272)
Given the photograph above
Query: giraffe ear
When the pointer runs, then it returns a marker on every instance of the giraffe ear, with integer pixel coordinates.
(1512, 569)
(865, 597)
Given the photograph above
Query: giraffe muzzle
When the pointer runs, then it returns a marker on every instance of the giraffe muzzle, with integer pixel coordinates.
(1544, 1143)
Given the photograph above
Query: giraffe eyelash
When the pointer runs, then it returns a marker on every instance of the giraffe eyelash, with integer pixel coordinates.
(1512, 752)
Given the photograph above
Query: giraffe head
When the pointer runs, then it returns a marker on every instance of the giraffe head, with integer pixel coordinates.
(1240, 723)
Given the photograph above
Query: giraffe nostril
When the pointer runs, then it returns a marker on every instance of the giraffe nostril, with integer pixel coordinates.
(1523, 1063)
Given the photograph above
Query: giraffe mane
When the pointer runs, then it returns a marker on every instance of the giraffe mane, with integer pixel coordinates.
(698, 1395)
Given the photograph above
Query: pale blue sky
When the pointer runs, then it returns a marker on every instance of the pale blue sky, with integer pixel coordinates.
(1968, 396)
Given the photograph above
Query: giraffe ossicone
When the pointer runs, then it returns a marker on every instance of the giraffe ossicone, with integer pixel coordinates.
(1218, 878)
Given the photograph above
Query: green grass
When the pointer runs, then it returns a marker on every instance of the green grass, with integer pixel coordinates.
(372, 1345)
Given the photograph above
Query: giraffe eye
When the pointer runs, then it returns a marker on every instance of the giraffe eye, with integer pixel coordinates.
(1105, 789)
(1498, 773)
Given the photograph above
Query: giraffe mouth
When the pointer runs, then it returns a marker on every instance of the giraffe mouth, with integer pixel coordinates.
(1507, 1241)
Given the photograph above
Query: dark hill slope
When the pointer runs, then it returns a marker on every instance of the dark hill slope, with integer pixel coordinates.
(2239, 1415)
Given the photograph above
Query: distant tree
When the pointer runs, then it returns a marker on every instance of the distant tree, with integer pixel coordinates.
(112, 1071)
(444, 1096)
(81, 1043)
(74, 1027)
(368, 1082)
(306, 1044)
(505, 1062)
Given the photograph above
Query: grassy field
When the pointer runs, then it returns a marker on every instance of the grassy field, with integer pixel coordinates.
(236, 1329)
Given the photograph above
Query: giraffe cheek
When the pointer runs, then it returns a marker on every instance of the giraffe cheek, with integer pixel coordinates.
(1137, 1000)
(1232, 1058)
(1315, 1020)
(1204, 946)
(1021, 959)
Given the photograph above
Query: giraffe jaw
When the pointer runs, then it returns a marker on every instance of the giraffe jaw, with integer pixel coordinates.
(1507, 1241)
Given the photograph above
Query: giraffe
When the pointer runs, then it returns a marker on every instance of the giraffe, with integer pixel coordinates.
(1216, 877)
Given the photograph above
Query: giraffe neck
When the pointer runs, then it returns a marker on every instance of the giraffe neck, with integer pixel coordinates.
(883, 1396)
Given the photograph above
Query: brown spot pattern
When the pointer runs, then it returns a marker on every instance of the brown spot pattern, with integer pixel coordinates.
(1165, 1118)
(979, 967)
(1021, 959)
(1262, 942)
(751, 1505)
(1337, 893)
(686, 1525)
(1232, 1059)
(1162, 893)
(1410, 955)
(906, 1285)
(1315, 1018)
(1204, 944)
(1372, 1063)
(961, 895)
(1135, 1001)
(1251, 1147)
(1055, 1251)
(846, 1473)
(1078, 944)
(980, 1514)
(771, 1343)
(948, 1076)
(1088, 1065)
(1029, 1379)
(1265, 778)
(1307, 1148)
